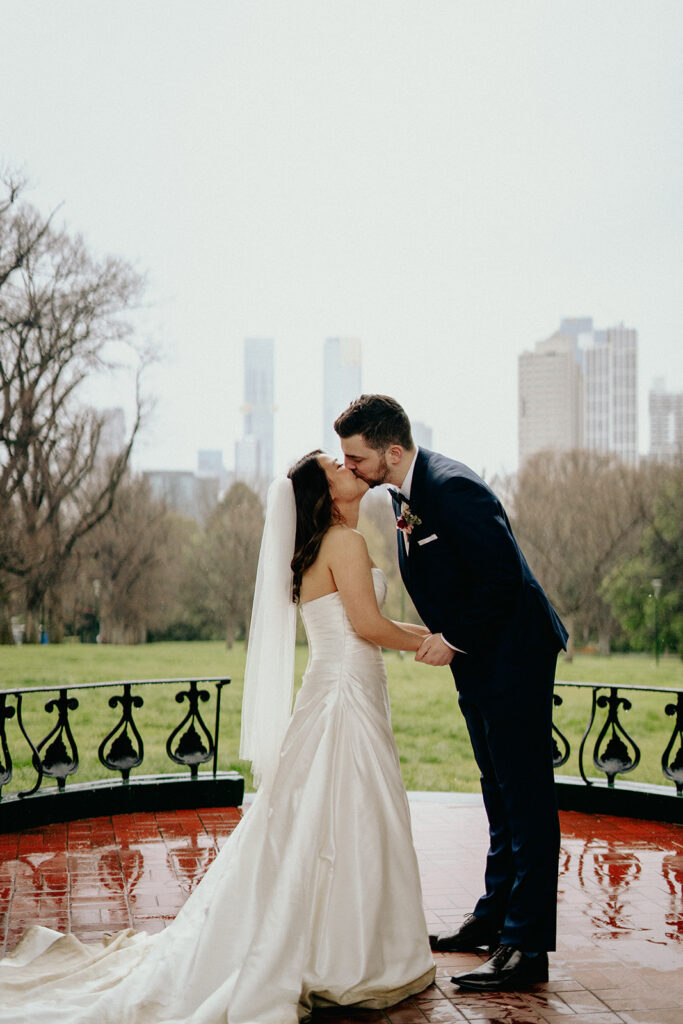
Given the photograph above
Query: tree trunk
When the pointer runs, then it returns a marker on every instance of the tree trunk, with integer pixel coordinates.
(229, 633)
(5, 622)
(55, 618)
(31, 635)
(604, 642)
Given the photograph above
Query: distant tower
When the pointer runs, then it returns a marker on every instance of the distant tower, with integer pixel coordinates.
(666, 422)
(210, 466)
(611, 379)
(254, 452)
(550, 397)
(209, 462)
(578, 389)
(341, 383)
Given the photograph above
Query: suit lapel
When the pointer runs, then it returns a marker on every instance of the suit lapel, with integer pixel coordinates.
(416, 495)
(416, 488)
(419, 477)
(402, 554)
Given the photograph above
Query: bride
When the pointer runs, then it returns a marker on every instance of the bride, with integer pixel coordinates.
(315, 898)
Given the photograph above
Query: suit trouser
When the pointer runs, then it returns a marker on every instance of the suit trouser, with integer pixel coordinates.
(511, 735)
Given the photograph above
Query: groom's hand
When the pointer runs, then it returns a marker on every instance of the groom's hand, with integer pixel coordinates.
(435, 652)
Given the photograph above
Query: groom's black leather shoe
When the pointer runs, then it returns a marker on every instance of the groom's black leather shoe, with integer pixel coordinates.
(508, 968)
(474, 934)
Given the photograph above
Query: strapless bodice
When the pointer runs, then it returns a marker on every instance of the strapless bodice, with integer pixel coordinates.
(328, 628)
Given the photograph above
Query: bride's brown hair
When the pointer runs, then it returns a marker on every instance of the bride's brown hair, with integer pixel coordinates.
(314, 514)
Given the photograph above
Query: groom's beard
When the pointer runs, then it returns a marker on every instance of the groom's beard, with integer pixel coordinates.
(379, 476)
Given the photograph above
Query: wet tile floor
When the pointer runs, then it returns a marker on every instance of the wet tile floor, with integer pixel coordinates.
(620, 921)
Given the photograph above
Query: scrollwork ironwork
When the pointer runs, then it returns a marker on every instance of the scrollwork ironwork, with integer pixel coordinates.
(584, 738)
(57, 762)
(673, 769)
(6, 712)
(560, 755)
(192, 750)
(614, 758)
(123, 754)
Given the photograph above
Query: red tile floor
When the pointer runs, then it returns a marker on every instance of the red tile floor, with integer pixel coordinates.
(620, 945)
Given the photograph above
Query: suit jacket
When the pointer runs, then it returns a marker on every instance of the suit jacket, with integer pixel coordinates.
(469, 580)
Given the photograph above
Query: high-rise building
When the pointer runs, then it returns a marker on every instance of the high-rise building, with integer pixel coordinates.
(254, 452)
(611, 388)
(210, 467)
(550, 397)
(341, 383)
(247, 460)
(209, 462)
(666, 422)
(182, 491)
(578, 389)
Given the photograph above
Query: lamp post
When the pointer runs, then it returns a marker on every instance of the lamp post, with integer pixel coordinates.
(656, 591)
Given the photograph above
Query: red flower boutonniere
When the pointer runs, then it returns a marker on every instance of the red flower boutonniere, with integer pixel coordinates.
(407, 519)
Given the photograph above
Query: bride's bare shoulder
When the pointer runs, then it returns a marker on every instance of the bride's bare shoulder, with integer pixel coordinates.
(341, 540)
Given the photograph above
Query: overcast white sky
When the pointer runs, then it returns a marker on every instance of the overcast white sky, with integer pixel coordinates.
(443, 179)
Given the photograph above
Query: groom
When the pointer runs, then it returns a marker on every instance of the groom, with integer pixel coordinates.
(492, 623)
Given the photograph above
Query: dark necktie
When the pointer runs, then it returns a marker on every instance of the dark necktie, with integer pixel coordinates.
(397, 496)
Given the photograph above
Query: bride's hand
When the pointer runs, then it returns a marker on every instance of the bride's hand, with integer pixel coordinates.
(435, 652)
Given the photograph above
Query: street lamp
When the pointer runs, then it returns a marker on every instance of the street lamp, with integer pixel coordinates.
(656, 591)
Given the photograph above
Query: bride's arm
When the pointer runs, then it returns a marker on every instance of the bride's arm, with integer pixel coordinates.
(347, 555)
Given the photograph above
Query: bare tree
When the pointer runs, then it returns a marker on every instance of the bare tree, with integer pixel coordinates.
(129, 571)
(59, 311)
(226, 561)
(576, 514)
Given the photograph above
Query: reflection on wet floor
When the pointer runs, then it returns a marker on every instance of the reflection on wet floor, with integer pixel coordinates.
(620, 916)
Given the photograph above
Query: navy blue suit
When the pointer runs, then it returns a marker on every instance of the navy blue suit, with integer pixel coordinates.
(469, 580)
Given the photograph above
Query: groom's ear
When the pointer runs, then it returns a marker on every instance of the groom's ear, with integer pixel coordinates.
(395, 454)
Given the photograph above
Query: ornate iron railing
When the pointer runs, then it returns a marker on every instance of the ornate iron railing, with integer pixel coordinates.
(53, 749)
(608, 743)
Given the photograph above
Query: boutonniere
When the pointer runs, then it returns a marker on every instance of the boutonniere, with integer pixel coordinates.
(407, 519)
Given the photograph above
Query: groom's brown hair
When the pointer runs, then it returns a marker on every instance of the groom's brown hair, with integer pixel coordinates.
(380, 421)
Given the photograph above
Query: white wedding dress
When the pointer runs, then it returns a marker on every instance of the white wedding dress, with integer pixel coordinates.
(314, 899)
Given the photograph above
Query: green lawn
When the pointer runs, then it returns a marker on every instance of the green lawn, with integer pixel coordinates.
(432, 740)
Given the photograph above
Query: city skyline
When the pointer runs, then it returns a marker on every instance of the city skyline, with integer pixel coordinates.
(563, 419)
(440, 180)
(578, 389)
(570, 376)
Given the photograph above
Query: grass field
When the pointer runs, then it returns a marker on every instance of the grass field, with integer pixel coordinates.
(431, 736)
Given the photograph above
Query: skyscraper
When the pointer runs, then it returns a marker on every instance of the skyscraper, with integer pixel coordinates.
(666, 422)
(610, 383)
(578, 389)
(254, 452)
(341, 383)
(550, 397)
(210, 465)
